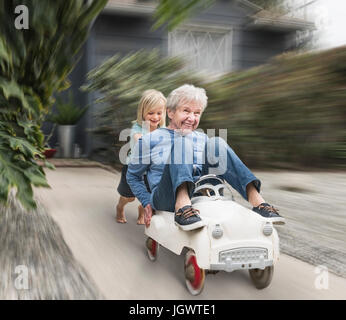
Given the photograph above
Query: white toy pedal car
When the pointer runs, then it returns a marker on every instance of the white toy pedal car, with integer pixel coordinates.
(234, 238)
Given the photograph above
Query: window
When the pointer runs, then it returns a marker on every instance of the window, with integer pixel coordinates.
(206, 49)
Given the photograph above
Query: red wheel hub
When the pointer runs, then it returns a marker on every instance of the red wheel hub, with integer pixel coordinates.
(153, 247)
(197, 272)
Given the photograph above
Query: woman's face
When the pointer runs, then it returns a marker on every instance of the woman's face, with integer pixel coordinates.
(154, 116)
(185, 117)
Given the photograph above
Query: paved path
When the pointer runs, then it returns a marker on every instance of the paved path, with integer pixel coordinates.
(82, 201)
(315, 206)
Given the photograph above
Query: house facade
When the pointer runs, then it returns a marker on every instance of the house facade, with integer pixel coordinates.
(231, 35)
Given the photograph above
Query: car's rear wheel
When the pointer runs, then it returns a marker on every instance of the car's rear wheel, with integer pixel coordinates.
(262, 278)
(194, 275)
(152, 249)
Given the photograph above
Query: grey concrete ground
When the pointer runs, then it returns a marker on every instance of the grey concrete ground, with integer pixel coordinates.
(82, 201)
(35, 261)
(314, 204)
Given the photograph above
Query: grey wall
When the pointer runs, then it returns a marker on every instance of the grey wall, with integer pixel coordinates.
(249, 47)
(118, 34)
(115, 33)
(124, 34)
(257, 47)
(228, 14)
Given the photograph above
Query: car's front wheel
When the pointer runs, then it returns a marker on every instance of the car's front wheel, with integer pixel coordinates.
(262, 278)
(194, 275)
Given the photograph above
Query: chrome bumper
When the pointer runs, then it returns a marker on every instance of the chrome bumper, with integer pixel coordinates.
(229, 266)
(242, 258)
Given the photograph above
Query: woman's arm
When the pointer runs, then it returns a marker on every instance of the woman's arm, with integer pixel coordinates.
(139, 163)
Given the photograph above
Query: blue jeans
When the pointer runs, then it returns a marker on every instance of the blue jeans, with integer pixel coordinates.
(221, 161)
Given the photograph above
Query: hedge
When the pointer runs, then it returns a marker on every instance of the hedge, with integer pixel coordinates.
(289, 113)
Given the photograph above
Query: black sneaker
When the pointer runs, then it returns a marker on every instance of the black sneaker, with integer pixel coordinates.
(187, 218)
(269, 212)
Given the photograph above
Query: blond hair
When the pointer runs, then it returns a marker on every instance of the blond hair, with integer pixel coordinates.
(150, 100)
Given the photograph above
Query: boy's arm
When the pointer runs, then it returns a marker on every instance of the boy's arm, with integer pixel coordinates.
(139, 163)
(136, 137)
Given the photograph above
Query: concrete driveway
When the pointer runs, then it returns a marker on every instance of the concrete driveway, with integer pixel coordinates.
(82, 201)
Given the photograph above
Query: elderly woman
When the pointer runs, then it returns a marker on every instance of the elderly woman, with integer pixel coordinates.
(176, 156)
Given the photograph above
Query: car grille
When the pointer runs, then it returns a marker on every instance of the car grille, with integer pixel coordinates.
(243, 255)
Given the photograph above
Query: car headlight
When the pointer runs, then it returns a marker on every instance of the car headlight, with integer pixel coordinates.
(268, 229)
(217, 232)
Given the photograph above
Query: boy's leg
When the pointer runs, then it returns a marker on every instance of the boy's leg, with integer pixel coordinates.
(141, 211)
(126, 196)
(120, 217)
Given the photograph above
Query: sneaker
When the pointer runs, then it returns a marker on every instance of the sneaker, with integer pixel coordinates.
(269, 212)
(187, 218)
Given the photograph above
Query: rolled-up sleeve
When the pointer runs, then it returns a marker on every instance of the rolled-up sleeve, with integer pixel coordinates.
(138, 165)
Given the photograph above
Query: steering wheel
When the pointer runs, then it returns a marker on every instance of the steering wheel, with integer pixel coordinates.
(208, 189)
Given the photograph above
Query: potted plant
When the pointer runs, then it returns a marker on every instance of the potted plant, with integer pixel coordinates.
(49, 152)
(67, 116)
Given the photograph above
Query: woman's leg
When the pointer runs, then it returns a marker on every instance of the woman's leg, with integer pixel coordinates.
(222, 161)
(183, 197)
(253, 195)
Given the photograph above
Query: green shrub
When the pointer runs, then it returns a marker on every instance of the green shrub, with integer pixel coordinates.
(121, 82)
(34, 64)
(68, 113)
(288, 113)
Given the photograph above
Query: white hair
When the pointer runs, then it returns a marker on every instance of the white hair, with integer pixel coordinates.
(187, 93)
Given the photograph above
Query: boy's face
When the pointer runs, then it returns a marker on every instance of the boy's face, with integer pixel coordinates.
(186, 117)
(154, 117)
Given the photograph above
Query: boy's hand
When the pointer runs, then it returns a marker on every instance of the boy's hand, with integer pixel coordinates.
(148, 212)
